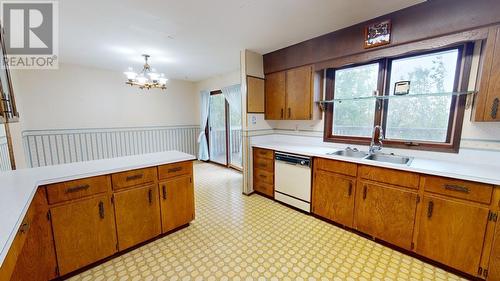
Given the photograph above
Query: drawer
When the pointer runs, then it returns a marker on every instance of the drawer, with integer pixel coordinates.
(473, 191)
(264, 188)
(339, 167)
(390, 176)
(264, 164)
(69, 190)
(134, 177)
(263, 153)
(175, 169)
(263, 176)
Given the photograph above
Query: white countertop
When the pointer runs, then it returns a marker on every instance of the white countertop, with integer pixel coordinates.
(458, 170)
(17, 188)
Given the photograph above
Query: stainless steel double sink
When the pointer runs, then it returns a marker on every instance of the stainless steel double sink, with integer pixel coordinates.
(379, 157)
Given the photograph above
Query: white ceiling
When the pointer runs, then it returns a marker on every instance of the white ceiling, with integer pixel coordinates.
(196, 39)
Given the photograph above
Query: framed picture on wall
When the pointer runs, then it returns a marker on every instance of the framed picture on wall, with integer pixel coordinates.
(378, 34)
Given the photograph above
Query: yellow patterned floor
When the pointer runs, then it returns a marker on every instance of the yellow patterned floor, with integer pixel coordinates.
(237, 237)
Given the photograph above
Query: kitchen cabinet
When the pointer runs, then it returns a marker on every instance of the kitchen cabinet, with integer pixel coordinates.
(255, 95)
(290, 95)
(452, 232)
(137, 215)
(84, 232)
(333, 197)
(263, 171)
(37, 259)
(177, 202)
(488, 99)
(386, 212)
(494, 267)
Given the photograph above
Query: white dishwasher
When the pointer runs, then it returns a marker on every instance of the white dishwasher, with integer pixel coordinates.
(292, 180)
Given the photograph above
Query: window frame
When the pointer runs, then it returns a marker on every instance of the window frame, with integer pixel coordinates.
(457, 106)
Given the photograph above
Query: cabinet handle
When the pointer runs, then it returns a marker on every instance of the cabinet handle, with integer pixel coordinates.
(263, 176)
(494, 108)
(101, 210)
(349, 191)
(164, 191)
(281, 113)
(289, 112)
(365, 191)
(134, 177)
(77, 188)
(430, 208)
(24, 227)
(176, 169)
(150, 196)
(458, 188)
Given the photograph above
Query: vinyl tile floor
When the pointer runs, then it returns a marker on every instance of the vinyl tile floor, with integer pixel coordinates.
(238, 237)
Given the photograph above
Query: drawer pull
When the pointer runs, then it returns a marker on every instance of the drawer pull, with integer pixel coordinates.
(164, 191)
(430, 209)
(101, 210)
(458, 188)
(281, 116)
(77, 188)
(176, 169)
(494, 108)
(365, 191)
(150, 196)
(262, 165)
(134, 177)
(263, 153)
(263, 176)
(349, 191)
(24, 227)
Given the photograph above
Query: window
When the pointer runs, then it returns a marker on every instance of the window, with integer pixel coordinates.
(416, 120)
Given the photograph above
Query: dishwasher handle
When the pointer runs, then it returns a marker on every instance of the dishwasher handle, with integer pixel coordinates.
(293, 160)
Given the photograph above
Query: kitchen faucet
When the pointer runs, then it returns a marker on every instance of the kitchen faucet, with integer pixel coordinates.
(376, 147)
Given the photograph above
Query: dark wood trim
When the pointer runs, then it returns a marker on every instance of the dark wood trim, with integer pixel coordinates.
(455, 20)
(10, 146)
(457, 107)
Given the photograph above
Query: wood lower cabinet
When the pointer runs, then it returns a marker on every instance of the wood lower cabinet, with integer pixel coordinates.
(333, 197)
(37, 260)
(452, 232)
(137, 215)
(494, 267)
(263, 171)
(84, 232)
(177, 202)
(386, 212)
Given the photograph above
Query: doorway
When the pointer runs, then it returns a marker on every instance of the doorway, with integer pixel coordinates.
(224, 131)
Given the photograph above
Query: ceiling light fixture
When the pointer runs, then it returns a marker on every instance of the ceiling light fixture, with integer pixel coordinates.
(148, 78)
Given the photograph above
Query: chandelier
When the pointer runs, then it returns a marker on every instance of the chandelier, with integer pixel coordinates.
(148, 78)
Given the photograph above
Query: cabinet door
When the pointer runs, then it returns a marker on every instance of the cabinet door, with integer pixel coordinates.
(386, 212)
(494, 267)
(452, 233)
(333, 197)
(37, 259)
(275, 96)
(299, 93)
(177, 202)
(488, 99)
(137, 215)
(84, 232)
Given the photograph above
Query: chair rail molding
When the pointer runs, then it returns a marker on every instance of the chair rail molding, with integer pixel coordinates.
(60, 146)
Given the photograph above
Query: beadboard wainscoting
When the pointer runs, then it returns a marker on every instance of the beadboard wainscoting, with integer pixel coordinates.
(4, 155)
(52, 147)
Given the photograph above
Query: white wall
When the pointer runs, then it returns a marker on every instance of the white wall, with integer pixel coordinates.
(78, 97)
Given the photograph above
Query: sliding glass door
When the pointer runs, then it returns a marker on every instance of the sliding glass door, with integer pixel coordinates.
(217, 126)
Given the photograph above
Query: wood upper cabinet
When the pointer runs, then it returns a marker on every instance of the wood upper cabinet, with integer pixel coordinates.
(488, 98)
(137, 215)
(386, 212)
(275, 97)
(84, 232)
(177, 202)
(37, 260)
(452, 232)
(290, 95)
(333, 197)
